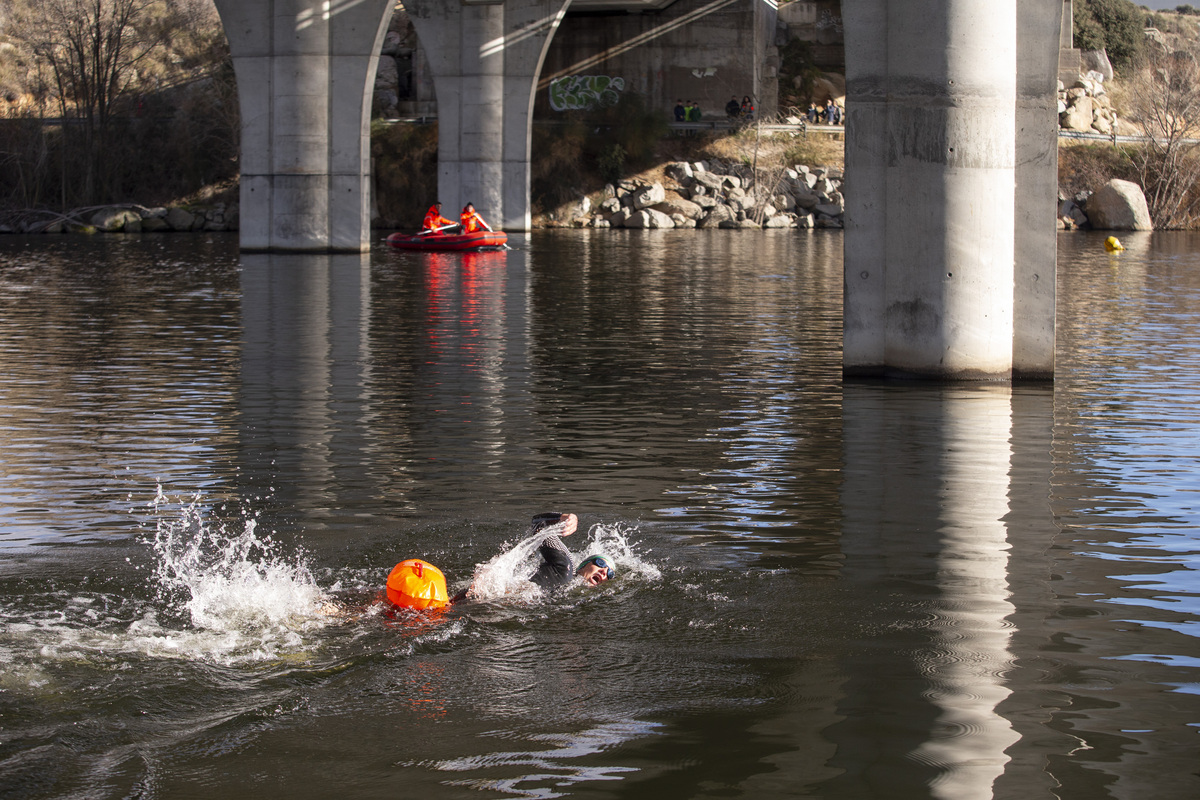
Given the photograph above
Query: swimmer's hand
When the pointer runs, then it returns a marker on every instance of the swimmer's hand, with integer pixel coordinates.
(570, 523)
(337, 610)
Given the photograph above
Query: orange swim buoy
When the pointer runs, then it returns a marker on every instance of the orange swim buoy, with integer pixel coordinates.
(414, 583)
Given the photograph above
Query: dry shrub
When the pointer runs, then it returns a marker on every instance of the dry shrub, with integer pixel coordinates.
(405, 171)
(1165, 96)
(557, 170)
(1087, 167)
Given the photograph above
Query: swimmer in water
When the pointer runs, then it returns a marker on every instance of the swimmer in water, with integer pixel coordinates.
(556, 568)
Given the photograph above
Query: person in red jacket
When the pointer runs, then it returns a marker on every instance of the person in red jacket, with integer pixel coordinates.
(434, 221)
(471, 221)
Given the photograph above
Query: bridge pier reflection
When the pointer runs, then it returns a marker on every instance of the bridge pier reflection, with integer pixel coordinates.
(928, 489)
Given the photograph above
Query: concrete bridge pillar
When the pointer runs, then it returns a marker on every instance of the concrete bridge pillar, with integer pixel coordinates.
(305, 70)
(485, 56)
(933, 163)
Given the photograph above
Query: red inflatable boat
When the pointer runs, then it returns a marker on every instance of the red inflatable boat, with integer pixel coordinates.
(479, 240)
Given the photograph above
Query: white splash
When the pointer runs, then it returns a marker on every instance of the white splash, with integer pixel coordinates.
(507, 575)
(232, 580)
(245, 600)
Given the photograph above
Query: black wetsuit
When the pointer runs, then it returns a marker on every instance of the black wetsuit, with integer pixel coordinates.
(556, 568)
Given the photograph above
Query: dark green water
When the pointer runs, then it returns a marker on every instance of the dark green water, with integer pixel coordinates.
(828, 590)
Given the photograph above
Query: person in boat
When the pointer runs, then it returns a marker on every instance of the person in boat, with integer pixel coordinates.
(471, 221)
(556, 568)
(434, 221)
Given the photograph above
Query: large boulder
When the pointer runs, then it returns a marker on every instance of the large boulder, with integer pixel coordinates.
(709, 181)
(1096, 61)
(716, 216)
(680, 171)
(569, 212)
(387, 75)
(618, 219)
(658, 219)
(1119, 206)
(649, 218)
(674, 203)
(649, 196)
(180, 219)
(111, 220)
(391, 43)
(806, 199)
(1078, 116)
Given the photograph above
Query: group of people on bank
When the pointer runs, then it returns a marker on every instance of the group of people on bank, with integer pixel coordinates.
(687, 113)
(829, 114)
(742, 110)
(690, 111)
(469, 221)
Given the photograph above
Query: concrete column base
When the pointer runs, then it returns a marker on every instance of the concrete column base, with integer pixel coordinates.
(950, 163)
(485, 59)
(304, 86)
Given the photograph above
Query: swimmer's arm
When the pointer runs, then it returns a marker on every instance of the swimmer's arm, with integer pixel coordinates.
(555, 554)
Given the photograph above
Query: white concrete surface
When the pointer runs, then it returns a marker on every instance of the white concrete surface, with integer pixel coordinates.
(931, 282)
(305, 71)
(485, 60)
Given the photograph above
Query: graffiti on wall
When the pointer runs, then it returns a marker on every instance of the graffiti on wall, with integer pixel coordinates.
(585, 91)
(829, 22)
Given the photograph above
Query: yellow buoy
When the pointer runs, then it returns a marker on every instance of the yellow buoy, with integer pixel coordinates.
(414, 583)
(1113, 245)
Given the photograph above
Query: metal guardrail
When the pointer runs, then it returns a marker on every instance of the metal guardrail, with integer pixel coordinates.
(717, 124)
(1108, 137)
(766, 127)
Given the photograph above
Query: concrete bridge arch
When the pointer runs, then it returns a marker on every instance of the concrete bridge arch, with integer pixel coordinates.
(951, 154)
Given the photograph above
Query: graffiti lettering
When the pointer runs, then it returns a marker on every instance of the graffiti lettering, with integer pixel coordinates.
(829, 22)
(585, 91)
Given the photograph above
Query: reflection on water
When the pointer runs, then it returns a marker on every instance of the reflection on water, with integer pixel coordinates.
(926, 495)
(832, 590)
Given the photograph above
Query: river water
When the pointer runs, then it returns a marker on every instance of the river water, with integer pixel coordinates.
(826, 589)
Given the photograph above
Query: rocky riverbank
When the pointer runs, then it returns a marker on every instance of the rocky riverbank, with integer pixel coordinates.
(125, 218)
(714, 194)
(702, 194)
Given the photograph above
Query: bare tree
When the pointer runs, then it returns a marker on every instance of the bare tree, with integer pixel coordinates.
(1165, 101)
(91, 50)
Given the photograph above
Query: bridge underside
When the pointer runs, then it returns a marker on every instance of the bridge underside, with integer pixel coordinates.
(950, 154)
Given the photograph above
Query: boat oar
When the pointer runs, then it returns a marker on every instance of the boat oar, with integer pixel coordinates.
(438, 229)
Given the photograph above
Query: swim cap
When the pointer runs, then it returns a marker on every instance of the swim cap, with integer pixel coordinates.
(602, 562)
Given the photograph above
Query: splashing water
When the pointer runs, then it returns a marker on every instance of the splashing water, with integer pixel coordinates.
(507, 575)
(222, 595)
(234, 582)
